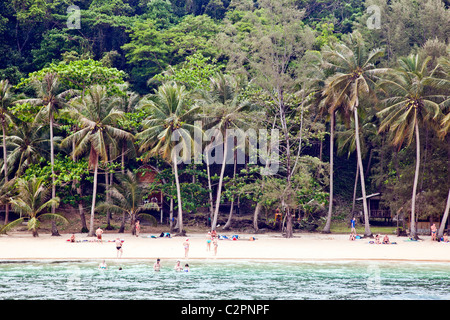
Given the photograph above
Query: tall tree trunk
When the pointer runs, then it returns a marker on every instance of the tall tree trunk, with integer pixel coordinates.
(108, 200)
(52, 162)
(94, 195)
(327, 228)
(355, 187)
(445, 217)
(5, 167)
(367, 232)
(413, 231)
(255, 216)
(211, 201)
(180, 207)
(219, 187)
(80, 202)
(230, 215)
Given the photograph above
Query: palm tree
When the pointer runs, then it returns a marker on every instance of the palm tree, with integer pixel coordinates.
(52, 96)
(223, 110)
(410, 103)
(98, 116)
(128, 197)
(169, 120)
(354, 75)
(28, 143)
(5, 118)
(32, 202)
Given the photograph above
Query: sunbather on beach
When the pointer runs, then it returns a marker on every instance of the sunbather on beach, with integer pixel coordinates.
(377, 239)
(386, 240)
(99, 234)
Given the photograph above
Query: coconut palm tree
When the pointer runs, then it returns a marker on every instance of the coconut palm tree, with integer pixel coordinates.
(354, 75)
(170, 120)
(52, 96)
(33, 202)
(223, 110)
(128, 196)
(5, 118)
(97, 115)
(28, 143)
(410, 103)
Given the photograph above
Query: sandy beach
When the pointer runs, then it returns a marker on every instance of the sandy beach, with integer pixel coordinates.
(22, 246)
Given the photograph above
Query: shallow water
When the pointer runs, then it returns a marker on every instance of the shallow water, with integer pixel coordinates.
(225, 279)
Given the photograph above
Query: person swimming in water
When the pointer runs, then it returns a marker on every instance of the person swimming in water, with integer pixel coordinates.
(186, 268)
(157, 265)
(178, 266)
(103, 265)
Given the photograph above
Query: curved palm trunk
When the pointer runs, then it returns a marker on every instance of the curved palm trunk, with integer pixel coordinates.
(256, 215)
(416, 180)
(5, 166)
(367, 232)
(180, 208)
(327, 228)
(211, 201)
(52, 162)
(94, 195)
(219, 187)
(445, 217)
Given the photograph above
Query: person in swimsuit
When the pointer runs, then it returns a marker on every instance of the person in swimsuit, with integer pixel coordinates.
(186, 247)
(138, 228)
(119, 248)
(386, 240)
(99, 233)
(353, 225)
(433, 232)
(178, 266)
(103, 265)
(216, 244)
(157, 265)
(186, 268)
(208, 241)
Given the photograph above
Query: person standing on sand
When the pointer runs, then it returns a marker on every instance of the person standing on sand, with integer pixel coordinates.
(208, 241)
(119, 248)
(138, 228)
(353, 225)
(433, 232)
(99, 234)
(216, 244)
(186, 247)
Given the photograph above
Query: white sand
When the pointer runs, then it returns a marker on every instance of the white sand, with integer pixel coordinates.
(22, 246)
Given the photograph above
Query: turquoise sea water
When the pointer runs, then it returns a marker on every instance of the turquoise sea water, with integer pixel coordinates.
(225, 279)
